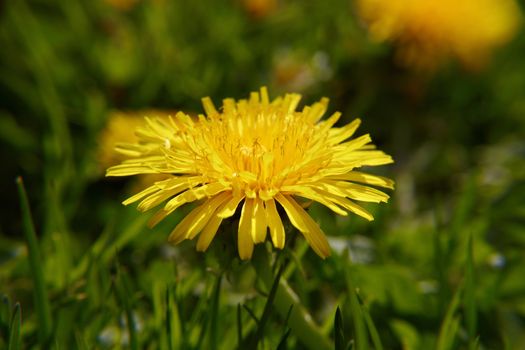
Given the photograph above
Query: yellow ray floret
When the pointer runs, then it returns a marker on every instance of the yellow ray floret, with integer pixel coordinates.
(261, 156)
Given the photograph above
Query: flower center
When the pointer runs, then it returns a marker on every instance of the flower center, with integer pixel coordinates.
(259, 152)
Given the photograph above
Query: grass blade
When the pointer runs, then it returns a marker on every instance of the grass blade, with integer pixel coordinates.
(282, 344)
(239, 326)
(372, 329)
(213, 339)
(440, 270)
(251, 313)
(470, 298)
(5, 313)
(301, 322)
(15, 342)
(169, 334)
(267, 308)
(361, 337)
(450, 324)
(339, 337)
(122, 286)
(35, 262)
(81, 341)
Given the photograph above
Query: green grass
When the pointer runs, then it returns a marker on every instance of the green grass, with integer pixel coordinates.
(440, 267)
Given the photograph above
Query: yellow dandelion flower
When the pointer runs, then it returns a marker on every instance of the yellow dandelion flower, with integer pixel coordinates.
(259, 155)
(428, 32)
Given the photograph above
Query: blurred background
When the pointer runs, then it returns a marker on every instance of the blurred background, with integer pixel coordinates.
(440, 86)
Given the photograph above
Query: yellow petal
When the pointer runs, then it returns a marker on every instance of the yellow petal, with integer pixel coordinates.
(352, 190)
(254, 98)
(361, 158)
(209, 108)
(244, 241)
(310, 193)
(328, 123)
(230, 207)
(317, 110)
(355, 144)
(192, 224)
(208, 233)
(228, 105)
(159, 197)
(158, 217)
(195, 194)
(292, 100)
(366, 178)
(275, 224)
(347, 204)
(265, 100)
(130, 169)
(208, 211)
(295, 218)
(177, 235)
(338, 135)
(364, 193)
(148, 191)
(258, 222)
(313, 234)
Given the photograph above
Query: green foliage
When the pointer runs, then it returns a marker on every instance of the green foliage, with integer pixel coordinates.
(441, 267)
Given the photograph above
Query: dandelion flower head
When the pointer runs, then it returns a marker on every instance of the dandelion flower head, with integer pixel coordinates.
(259, 157)
(428, 32)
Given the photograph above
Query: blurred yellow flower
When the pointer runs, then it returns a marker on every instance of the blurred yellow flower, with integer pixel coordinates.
(428, 32)
(120, 128)
(260, 8)
(260, 155)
